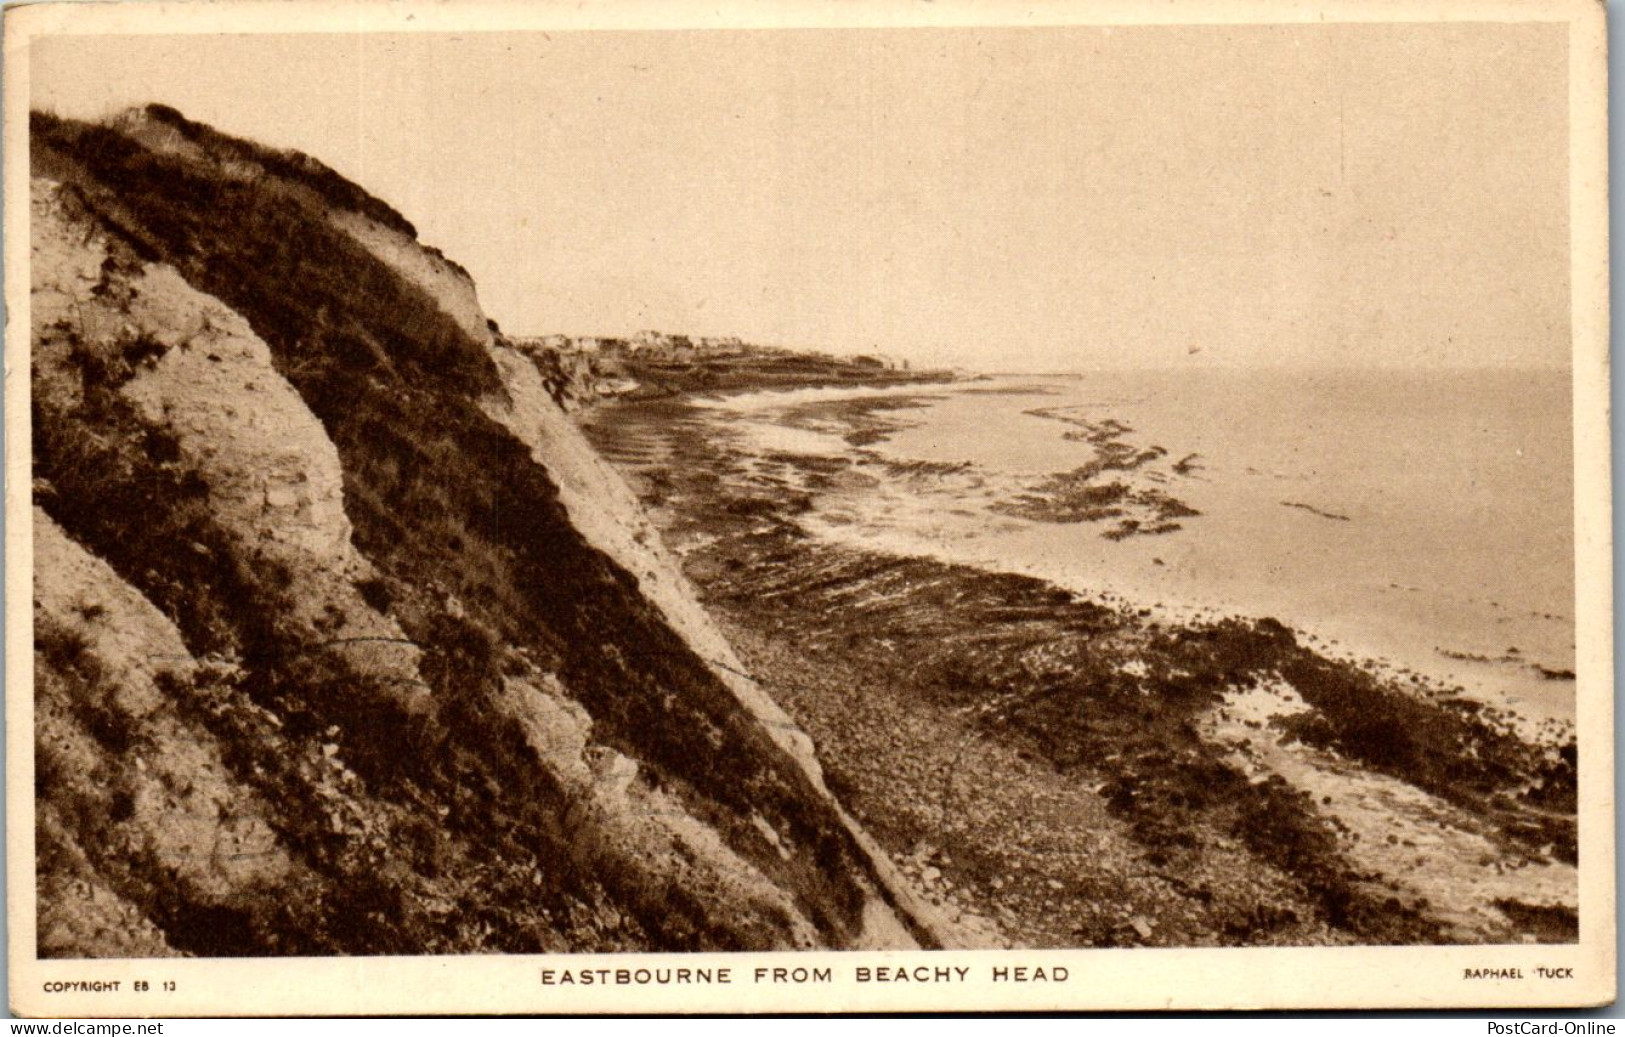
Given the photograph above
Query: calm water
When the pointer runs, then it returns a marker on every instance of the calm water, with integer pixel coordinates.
(1412, 518)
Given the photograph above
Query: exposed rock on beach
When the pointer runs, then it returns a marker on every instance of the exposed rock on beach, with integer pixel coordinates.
(1055, 769)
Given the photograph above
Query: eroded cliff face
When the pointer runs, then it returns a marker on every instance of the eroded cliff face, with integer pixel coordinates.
(346, 641)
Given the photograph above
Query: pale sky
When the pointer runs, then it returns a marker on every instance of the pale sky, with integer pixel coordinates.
(1002, 199)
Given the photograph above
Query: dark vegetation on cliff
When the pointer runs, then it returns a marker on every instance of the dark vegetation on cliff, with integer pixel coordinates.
(477, 561)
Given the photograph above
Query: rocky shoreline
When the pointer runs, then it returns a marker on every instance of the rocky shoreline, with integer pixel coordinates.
(1057, 771)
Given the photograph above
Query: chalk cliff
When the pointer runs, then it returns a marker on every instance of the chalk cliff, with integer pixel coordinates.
(345, 640)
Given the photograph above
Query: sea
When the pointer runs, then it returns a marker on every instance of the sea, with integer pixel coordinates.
(1421, 522)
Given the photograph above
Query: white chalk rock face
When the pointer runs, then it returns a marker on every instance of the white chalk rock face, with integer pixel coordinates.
(269, 464)
(273, 476)
(76, 591)
(106, 663)
(448, 284)
(208, 378)
(618, 825)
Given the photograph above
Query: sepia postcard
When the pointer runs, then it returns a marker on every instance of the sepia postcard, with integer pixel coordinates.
(739, 507)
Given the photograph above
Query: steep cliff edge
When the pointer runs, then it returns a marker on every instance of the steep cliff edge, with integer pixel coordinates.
(346, 642)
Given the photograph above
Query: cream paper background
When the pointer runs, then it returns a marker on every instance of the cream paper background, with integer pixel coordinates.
(1418, 977)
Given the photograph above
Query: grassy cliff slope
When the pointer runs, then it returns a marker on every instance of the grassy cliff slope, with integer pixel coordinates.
(336, 649)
